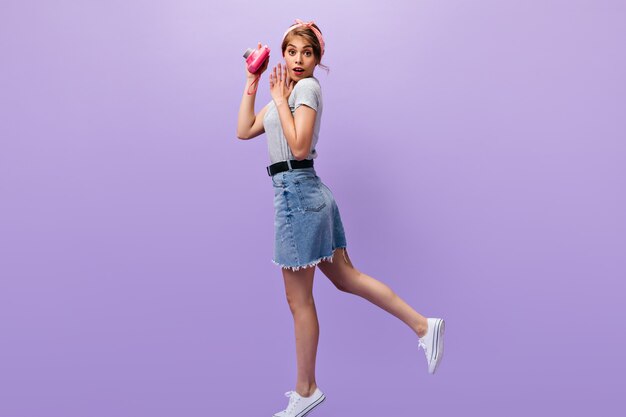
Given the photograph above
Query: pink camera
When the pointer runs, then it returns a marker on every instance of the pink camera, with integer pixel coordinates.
(256, 57)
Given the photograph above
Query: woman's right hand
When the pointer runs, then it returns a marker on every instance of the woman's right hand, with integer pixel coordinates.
(251, 75)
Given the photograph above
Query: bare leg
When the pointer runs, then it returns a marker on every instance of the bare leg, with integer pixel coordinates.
(299, 291)
(347, 278)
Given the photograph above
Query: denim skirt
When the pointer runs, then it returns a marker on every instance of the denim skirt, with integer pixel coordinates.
(307, 223)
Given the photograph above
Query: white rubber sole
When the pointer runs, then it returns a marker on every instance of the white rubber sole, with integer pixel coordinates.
(441, 327)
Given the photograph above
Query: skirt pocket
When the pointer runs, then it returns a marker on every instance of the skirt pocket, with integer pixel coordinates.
(310, 194)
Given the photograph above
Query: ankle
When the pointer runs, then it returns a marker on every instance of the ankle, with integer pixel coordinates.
(421, 329)
(306, 390)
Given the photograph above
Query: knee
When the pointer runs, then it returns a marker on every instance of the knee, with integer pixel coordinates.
(299, 302)
(348, 281)
(341, 286)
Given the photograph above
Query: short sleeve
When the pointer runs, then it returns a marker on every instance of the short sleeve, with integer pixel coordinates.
(308, 93)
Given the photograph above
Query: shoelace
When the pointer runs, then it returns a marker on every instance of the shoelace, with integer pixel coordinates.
(293, 400)
(423, 346)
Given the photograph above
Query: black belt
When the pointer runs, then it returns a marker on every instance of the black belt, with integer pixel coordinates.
(286, 165)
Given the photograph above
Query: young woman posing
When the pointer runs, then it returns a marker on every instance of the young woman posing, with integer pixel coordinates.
(307, 223)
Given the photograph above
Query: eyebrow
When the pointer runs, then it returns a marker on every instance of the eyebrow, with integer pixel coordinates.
(305, 46)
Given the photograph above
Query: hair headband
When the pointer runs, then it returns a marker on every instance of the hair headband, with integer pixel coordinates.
(310, 26)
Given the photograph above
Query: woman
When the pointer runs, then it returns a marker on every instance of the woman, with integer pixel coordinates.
(308, 227)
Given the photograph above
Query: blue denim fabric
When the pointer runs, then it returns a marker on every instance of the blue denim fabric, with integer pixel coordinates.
(307, 223)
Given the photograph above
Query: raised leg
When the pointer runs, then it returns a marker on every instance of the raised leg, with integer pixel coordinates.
(347, 278)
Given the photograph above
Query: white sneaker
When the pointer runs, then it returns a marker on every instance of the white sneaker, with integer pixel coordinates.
(432, 343)
(300, 406)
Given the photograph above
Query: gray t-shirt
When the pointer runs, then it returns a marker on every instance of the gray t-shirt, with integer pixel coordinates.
(306, 91)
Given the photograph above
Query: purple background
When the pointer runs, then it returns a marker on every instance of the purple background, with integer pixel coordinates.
(477, 153)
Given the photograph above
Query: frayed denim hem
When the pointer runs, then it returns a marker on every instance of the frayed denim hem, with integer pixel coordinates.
(323, 258)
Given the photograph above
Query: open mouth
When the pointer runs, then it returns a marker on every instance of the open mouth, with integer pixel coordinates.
(298, 71)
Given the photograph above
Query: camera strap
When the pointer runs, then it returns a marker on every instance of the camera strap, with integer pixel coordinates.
(255, 83)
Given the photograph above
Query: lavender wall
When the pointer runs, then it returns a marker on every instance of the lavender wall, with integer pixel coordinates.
(475, 148)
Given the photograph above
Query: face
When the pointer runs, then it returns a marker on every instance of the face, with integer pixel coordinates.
(299, 54)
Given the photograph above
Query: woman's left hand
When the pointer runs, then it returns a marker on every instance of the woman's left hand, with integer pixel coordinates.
(281, 84)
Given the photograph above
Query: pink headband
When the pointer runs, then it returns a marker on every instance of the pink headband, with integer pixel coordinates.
(310, 26)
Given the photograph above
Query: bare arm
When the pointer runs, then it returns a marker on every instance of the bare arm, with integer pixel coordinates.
(298, 129)
(257, 127)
